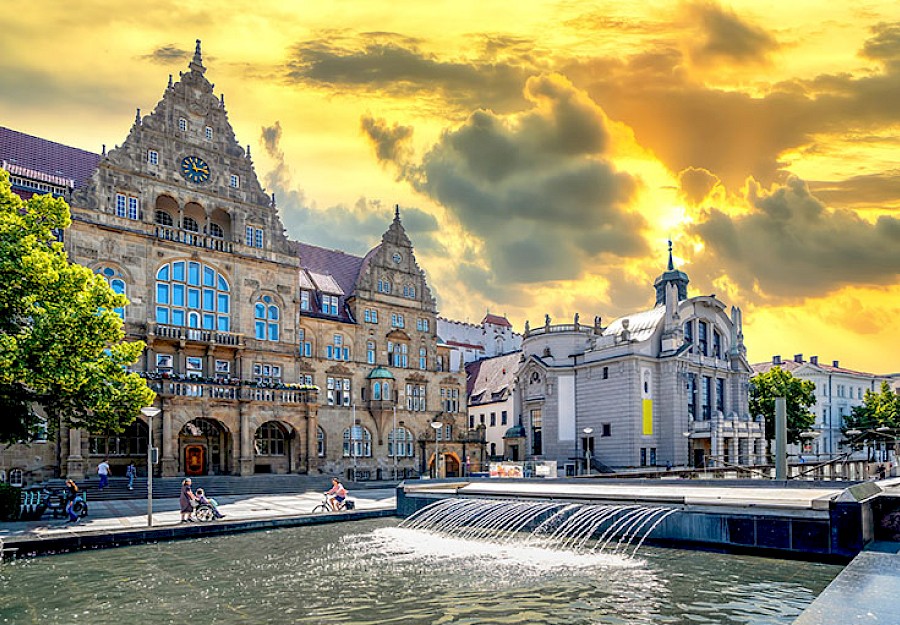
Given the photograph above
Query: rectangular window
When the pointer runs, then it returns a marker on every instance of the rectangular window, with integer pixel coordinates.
(493, 419)
(209, 133)
(397, 321)
(266, 373)
(503, 418)
(258, 238)
(223, 368)
(235, 182)
(194, 366)
(605, 429)
(120, 204)
(338, 391)
(717, 344)
(415, 397)
(705, 392)
(330, 304)
(692, 395)
(132, 208)
(182, 124)
(153, 157)
(537, 440)
(248, 236)
(304, 300)
(653, 456)
(643, 456)
(164, 362)
(720, 395)
(702, 338)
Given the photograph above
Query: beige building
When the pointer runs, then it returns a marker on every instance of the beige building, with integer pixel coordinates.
(267, 355)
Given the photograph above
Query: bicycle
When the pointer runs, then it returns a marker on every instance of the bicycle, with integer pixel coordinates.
(325, 506)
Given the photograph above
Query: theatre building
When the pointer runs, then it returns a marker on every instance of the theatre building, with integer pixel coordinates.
(267, 355)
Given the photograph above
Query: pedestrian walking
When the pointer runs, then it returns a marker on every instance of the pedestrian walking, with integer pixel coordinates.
(186, 500)
(103, 472)
(131, 473)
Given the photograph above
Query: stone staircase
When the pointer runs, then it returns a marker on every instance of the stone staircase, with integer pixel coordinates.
(213, 485)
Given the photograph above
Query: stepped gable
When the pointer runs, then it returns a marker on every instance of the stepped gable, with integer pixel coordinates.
(395, 260)
(33, 157)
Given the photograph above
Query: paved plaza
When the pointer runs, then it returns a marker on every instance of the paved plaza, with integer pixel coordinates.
(131, 514)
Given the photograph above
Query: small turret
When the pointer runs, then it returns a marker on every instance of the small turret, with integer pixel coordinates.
(671, 276)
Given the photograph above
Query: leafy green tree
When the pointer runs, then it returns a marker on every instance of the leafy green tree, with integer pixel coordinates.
(878, 410)
(62, 344)
(799, 395)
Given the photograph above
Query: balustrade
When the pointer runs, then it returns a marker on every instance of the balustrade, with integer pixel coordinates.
(231, 392)
(195, 239)
(198, 335)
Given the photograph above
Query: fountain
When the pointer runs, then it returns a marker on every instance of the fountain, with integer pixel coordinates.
(615, 529)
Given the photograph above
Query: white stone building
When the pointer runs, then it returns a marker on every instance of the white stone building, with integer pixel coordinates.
(662, 386)
(469, 342)
(838, 390)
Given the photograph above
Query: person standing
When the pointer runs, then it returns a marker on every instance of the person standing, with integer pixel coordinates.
(186, 500)
(71, 494)
(103, 472)
(131, 473)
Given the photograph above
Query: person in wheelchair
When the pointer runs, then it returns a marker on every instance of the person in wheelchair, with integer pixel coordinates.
(202, 499)
(336, 495)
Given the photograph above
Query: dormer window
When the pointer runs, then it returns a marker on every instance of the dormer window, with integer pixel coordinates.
(182, 124)
(330, 304)
(304, 300)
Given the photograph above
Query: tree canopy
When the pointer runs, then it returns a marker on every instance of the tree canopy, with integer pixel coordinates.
(878, 410)
(799, 395)
(62, 346)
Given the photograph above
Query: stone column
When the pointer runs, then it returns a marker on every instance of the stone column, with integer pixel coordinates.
(168, 445)
(75, 462)
(245, 451)
(312, 452)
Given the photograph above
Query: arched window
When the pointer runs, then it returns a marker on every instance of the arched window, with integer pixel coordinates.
(267, 318)
(269, 440)
(385, 390)
(357, 442)
(116, 280)
(215, 230)
(191, 294)
(190, 224)
(320, 441)
(164, 219)
(400, 443)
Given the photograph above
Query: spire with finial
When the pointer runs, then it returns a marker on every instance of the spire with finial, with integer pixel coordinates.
(197, 62)
(248, 150)
(137, 117)
(396, 212)
(671, 275)
(170, 81)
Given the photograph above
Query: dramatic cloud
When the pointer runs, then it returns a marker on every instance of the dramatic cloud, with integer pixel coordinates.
(536, 188)
(390, 141)
(885, 45)
(873, 190)
(400, 69)
(168, 55)
(353, 229)
(726, 37)
(791, 246)
(695, 185)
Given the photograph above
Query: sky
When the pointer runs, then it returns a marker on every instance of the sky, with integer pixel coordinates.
(542, 153)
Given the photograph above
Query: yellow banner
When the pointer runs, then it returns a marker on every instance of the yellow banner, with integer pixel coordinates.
(648, 417)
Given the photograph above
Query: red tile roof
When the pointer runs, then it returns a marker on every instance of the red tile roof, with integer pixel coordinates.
(497, 320)
(47, 157)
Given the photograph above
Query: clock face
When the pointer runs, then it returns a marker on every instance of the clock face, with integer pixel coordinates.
(397, 257)
(194, 169)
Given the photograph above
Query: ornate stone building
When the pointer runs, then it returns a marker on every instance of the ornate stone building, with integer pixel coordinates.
(665, 385)
(267, 355)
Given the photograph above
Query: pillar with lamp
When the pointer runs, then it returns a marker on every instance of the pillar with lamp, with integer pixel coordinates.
(436, 426)
(152, 457)
(587, 449)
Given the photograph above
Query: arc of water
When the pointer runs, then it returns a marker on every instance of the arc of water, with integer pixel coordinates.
(528, 518)
(662, 517)
(550, 523)
(421, 517)
(508, 527)
(636, 521)
(608, 512)
(486, 513)
(623, 514)
(493, 522)
(466, 512)
(580, 524)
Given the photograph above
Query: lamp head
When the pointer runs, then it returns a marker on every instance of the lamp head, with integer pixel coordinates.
(150, 411)
(437, 425)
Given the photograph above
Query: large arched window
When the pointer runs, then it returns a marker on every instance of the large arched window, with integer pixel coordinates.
(267, 317)
(216, 231)
(164, 219)
(269, 440)
(191, 294)
(401, 443)
(190, 224)
(117, 281)
(357, 442)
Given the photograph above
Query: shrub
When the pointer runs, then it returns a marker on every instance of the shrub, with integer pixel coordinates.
(10, 496)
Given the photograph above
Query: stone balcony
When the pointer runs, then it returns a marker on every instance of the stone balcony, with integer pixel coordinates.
(196, 335)
(196, 239)
(218, 391)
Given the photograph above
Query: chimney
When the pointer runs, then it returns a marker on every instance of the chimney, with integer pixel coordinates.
(776, 360)
(814, 360)
(798, 357)
(834, 363)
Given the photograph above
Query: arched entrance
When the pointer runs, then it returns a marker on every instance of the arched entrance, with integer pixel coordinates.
(449, 465)
(272, 448)
(204, 446)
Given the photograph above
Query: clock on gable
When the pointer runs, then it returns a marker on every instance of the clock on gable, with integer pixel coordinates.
(194, 169)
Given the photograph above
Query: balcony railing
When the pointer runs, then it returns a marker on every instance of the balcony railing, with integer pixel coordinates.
(195, 334)
(194, 238)
(231, 392)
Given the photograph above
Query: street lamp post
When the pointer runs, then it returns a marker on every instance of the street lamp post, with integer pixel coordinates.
(690, 460)
(436, 426)
(394, 436)
(353, 439)
(587, 449)
(150, 412)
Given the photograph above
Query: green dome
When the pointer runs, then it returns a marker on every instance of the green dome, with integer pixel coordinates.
(516, 431)
(379, 373)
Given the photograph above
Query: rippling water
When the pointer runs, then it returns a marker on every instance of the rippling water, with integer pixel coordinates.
(375, 572)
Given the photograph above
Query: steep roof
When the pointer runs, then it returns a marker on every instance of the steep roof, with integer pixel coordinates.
(491, 379)
(46, 157)
(641, 325)
(497, 320)
(343, 267)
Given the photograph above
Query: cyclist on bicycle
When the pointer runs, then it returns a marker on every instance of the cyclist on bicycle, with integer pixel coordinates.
(336, 495)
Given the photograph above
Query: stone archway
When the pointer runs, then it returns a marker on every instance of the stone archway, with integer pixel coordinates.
(204, 448)
(273, 447)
